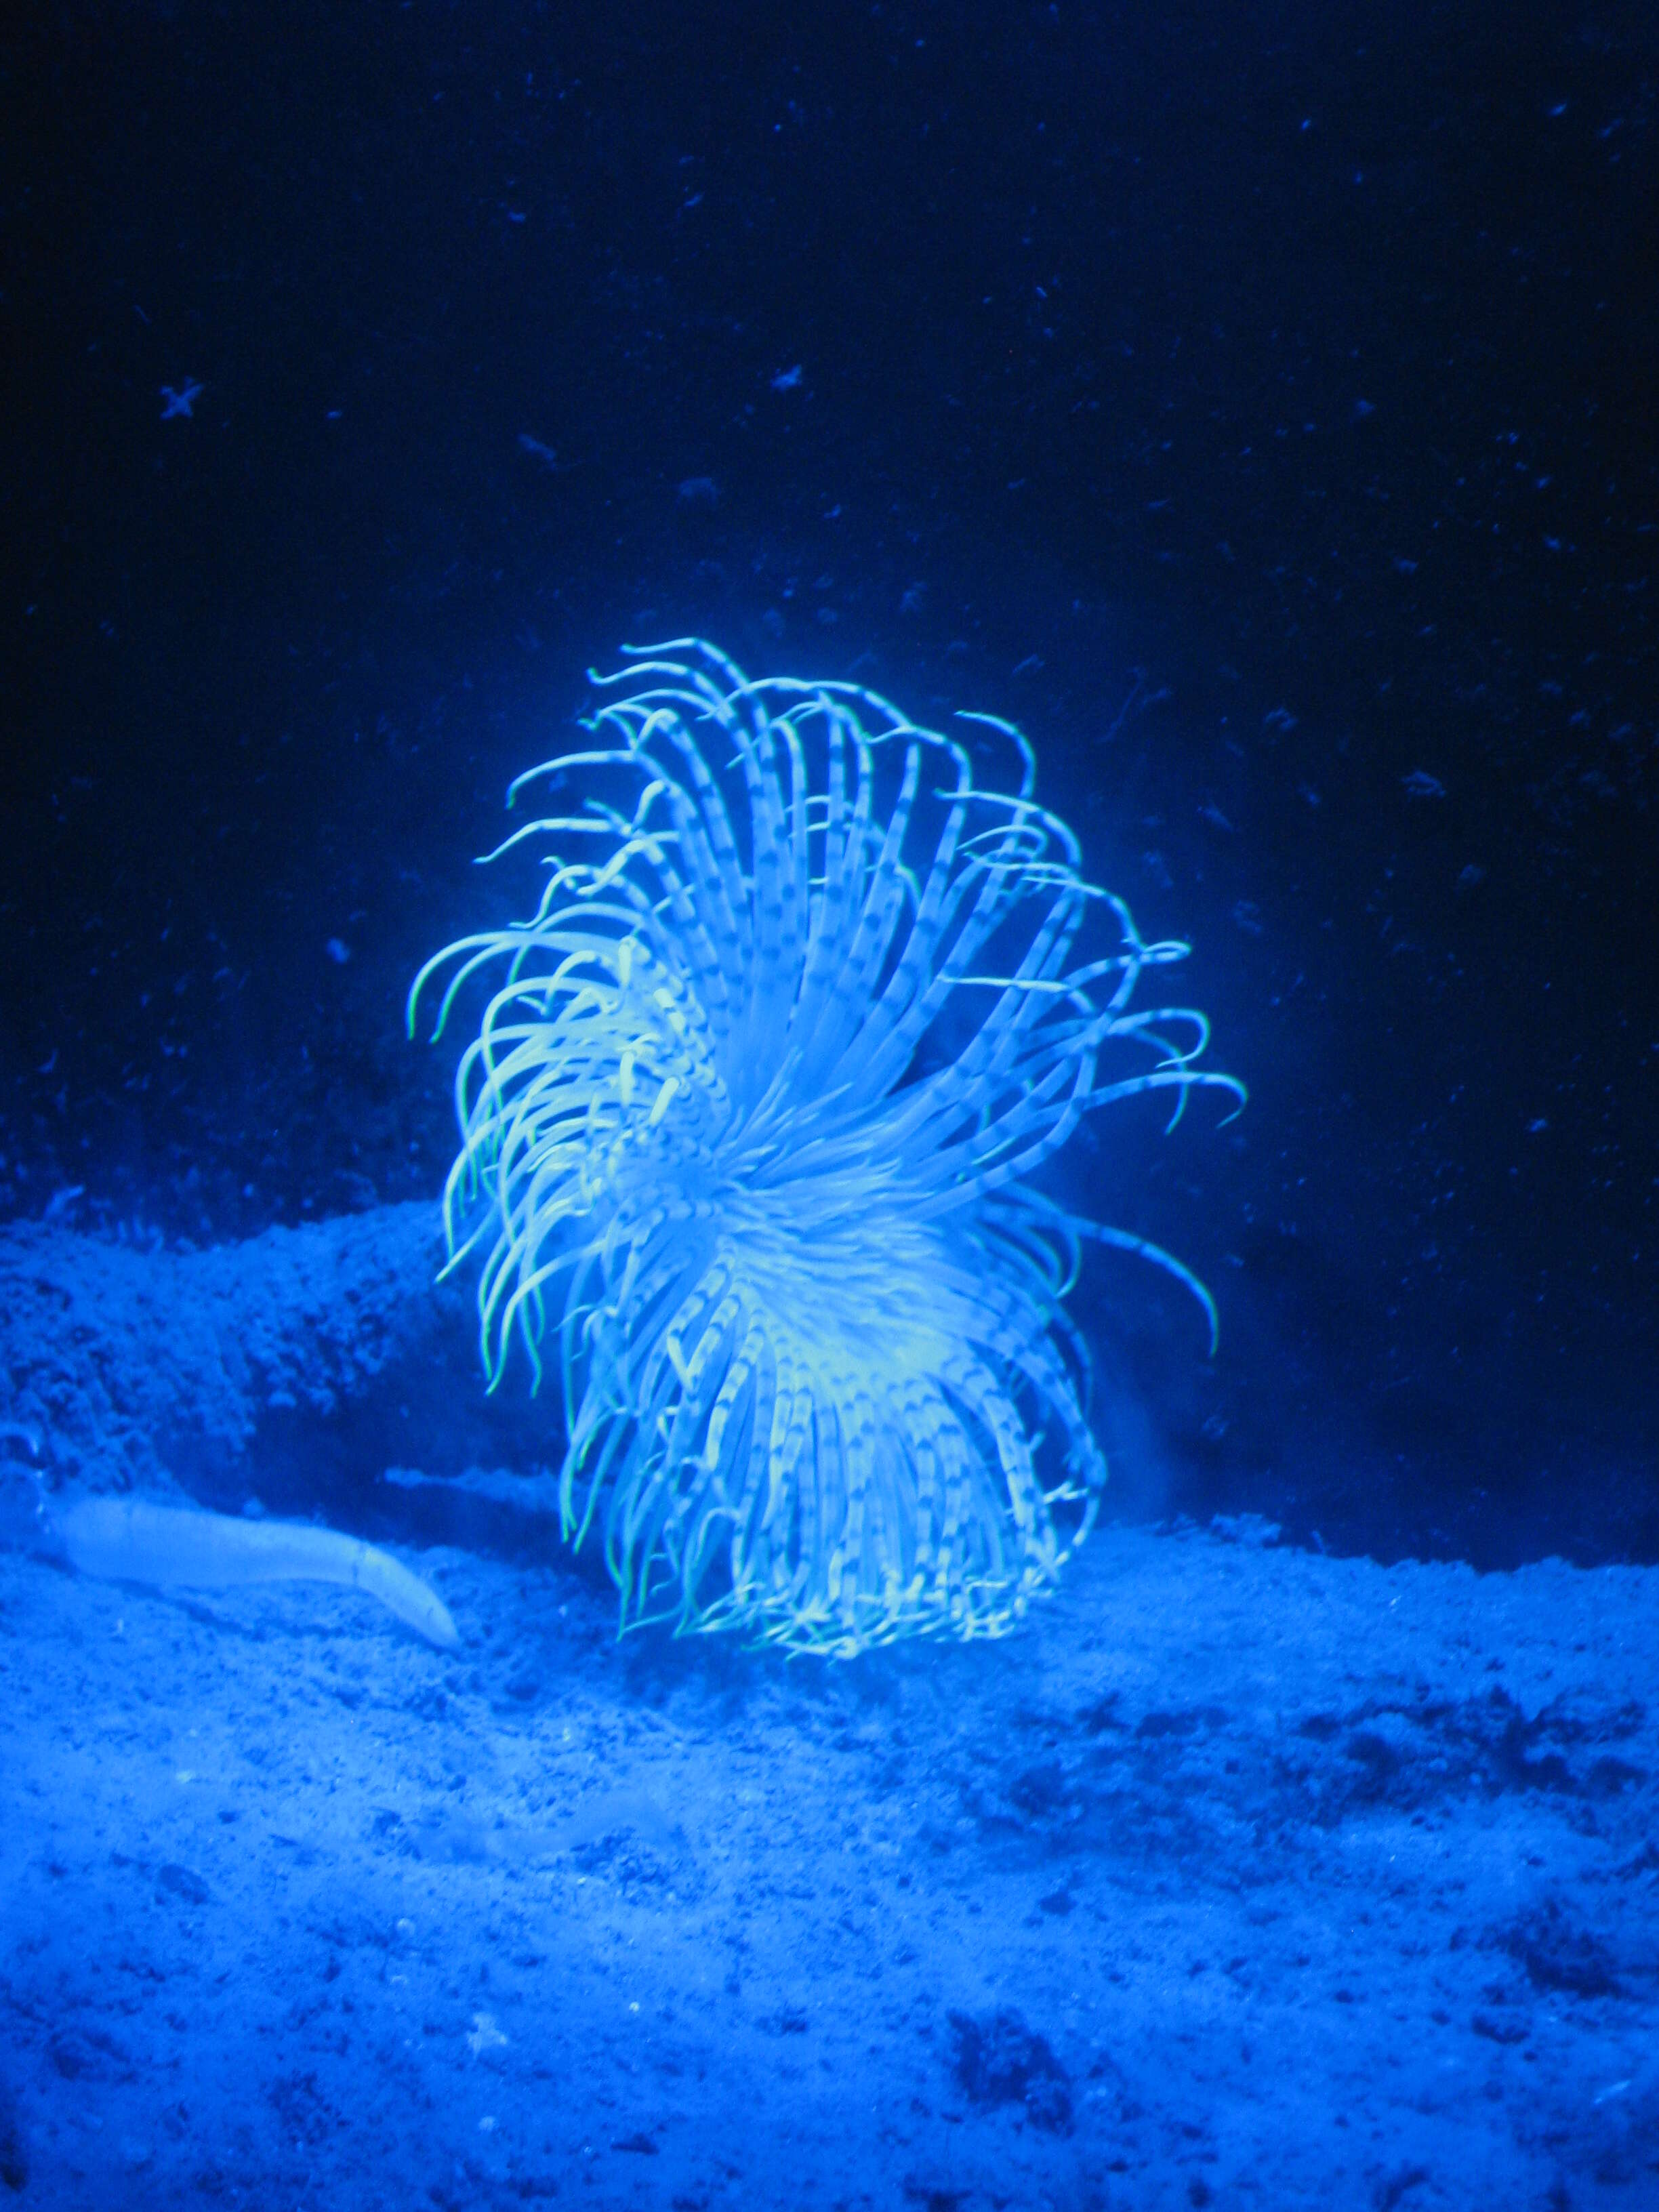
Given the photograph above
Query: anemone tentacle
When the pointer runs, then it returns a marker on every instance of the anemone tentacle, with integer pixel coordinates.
(748, 1130)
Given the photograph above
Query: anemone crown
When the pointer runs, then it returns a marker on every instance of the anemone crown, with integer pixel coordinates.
(748, 1132)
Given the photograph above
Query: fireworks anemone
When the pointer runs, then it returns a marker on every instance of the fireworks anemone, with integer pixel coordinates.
(749, 1132)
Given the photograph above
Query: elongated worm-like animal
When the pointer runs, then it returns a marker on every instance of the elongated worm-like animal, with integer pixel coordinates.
(126, 1539)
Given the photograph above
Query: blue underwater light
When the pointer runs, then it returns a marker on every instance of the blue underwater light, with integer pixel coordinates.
(748, 1135)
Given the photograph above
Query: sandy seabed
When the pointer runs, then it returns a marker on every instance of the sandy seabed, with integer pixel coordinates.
(1240, 1876)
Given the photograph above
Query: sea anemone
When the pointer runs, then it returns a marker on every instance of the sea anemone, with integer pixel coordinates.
(750, 1136)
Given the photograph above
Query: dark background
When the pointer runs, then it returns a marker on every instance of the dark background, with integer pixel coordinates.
(1257, 403)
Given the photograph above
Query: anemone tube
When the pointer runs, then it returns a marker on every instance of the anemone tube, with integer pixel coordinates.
(748, 1134)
